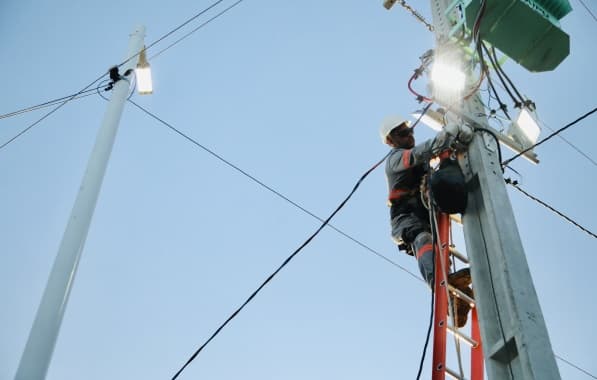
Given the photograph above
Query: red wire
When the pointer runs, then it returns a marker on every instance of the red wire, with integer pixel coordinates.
(419, 96)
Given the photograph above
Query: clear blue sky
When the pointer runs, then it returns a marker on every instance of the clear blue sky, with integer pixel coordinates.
(293, 93)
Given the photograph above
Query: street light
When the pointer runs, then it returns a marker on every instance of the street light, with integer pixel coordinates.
(432, 118)
(525, 129)
(447, 75)
(143, 75)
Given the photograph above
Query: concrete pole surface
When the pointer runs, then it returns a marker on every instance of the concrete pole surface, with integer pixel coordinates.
(515, 340)
(46, 326)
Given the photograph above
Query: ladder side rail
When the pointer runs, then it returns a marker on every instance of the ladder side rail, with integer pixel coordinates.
(477, 364)
(440, 318)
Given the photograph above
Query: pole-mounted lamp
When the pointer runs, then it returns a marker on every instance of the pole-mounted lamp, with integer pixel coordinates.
(525, 129)
(143, 75)
(432, 118)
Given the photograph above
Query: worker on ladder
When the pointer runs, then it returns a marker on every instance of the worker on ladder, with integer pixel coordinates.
(411, 229)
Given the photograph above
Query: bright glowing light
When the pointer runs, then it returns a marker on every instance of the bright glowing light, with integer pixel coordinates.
(431, 118)
(144, 83)
(143, 75)
(447, 77)
(527, 124)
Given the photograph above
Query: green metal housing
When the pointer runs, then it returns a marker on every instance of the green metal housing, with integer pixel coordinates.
(525, 30)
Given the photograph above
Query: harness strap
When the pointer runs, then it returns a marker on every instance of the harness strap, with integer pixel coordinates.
(396, 194)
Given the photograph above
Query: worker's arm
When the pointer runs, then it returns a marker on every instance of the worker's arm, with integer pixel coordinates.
(402, 159)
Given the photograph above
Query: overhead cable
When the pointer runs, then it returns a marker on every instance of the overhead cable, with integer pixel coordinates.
(272, 190)
(550, 136)
(575, 366)
(588, 10)
(173, 30)
(517, 187)
(577, 149)
(288, 259)
(291, 202)
(69, 98)
(196, 29)
(49, 103)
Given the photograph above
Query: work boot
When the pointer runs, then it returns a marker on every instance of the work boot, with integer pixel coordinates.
(460, 279)
(461, 306)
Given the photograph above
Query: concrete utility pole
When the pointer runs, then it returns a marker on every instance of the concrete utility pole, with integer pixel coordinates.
(42, 337)
(515, 340)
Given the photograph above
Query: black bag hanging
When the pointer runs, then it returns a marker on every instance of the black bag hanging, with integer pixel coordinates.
(448, 187)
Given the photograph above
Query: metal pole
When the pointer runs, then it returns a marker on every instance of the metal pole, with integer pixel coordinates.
(515, 340)
(42, 337)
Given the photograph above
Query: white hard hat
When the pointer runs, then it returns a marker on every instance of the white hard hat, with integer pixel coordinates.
(389, 123)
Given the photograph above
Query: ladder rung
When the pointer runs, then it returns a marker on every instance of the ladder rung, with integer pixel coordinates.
(460, 294)
(453, 374)
(456, 218)
(458, 255)
(471, 342)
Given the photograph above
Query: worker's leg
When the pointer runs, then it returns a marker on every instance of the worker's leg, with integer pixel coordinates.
(413, 230)
(423, 248)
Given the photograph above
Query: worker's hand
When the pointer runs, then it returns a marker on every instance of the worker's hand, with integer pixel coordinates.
(465, 134)
(461, 132)
(452, 129)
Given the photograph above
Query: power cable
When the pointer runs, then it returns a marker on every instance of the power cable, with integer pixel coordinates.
(588, 10)
(292, 202)
(577, 149)
(501, 75)
(49, 103)
(550, 136)
(515, 185)
(69, 98)
(500, 69)
(430, 324)
(174, 30)
(272, 190)
(51, 112)
(196, 29)
(484, 67)
(575, 366)
(271, 276)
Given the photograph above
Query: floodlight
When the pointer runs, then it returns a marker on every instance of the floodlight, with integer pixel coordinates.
(432, 118)
(527, 123)
(525, 129)
(447, 75)
(143, 75)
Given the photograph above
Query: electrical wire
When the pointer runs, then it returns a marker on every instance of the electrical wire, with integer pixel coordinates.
(272, 190)
(498, 71)
(497, 142)
(69, 98)
(572, 221)
(196, 29)
(49, 103)
(293, 203)
(588, 10)
(62, 103)
(550, 136)
(577, 149)
(575, 366)
(200, 13)
(420, 98)
(430, 325)
(484, 67)
(288, 259)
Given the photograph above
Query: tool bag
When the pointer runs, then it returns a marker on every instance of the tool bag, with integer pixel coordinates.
(448, 187)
